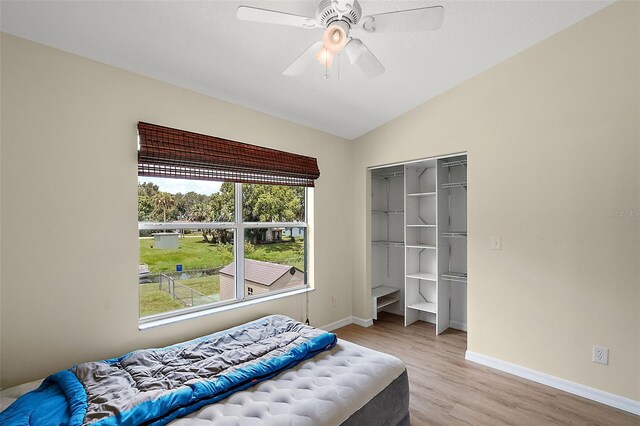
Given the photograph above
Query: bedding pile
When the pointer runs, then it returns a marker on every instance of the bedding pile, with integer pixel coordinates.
(155, 386)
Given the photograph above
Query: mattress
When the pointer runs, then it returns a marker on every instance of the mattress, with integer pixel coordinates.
(348, 384)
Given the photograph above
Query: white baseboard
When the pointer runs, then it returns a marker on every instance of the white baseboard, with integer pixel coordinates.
(593, 394)
(346, 321)
(362, 322)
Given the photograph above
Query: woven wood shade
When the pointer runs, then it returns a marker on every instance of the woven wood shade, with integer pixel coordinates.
(173, 153)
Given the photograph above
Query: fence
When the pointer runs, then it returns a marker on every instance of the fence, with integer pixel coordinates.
(183, 294)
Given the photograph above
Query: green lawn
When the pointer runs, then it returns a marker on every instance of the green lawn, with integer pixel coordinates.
(287, 253)
(192, 253)
(196, 254)
(154, 301)
(207, 285)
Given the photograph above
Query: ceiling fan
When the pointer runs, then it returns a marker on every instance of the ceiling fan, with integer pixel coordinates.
(339, 18)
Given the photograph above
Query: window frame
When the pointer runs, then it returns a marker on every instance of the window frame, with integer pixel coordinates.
(238, 227)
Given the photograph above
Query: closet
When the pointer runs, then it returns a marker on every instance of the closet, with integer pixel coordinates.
(419, 241)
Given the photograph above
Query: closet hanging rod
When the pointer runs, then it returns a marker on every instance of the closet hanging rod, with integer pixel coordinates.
(454, 234)
(421, 194)
(388, 243)
(388, 211)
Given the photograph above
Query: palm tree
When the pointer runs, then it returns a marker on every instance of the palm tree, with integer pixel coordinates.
(200, 212)
(164, 201)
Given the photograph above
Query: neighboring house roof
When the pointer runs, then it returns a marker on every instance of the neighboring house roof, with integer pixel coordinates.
(265, 273)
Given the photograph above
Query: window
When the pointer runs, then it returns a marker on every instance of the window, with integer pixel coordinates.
(190, 227)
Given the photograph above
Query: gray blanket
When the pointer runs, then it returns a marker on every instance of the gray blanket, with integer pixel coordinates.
(157, 385)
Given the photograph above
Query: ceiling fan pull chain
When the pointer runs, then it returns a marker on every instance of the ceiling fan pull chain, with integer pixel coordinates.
(326, 67)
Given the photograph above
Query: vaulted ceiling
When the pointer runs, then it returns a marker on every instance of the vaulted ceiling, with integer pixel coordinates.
(202, 46)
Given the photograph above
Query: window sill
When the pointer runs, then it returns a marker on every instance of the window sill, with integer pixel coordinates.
(145, 324)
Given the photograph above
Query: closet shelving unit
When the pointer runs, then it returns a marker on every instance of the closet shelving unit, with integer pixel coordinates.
(452, 239)
(387, 217)
(421, 207)
(421, 251)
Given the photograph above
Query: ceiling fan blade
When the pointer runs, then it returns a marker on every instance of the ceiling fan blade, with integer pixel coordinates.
(360, 55)
(303, 60)
(411, 20)
(254, 14)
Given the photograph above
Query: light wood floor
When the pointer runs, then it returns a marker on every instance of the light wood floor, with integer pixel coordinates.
(448, 390)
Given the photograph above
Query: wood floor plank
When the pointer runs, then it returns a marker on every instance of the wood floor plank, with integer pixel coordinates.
(446, 389)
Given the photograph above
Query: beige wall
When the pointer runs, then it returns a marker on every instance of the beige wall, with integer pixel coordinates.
(553, 142)
(69, 225)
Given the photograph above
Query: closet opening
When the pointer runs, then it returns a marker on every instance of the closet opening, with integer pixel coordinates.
(419, 241)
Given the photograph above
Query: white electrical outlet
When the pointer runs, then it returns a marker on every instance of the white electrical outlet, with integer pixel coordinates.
(334, 300)
(600, 355)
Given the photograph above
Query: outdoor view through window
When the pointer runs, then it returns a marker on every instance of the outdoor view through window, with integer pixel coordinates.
(188, 232)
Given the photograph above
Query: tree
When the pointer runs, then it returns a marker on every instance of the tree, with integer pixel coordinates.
(145, 207)
(261, 203)
(186, 202)
(200, 212)
(164, 201)
(222, 204)
(271, 203)
(148, 189)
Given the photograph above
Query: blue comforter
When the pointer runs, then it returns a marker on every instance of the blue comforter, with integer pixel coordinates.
(155, 386)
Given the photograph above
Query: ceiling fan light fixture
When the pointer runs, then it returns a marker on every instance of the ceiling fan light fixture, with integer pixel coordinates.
(354, 50)
(325, 57)
(338, 18)
(335, 36)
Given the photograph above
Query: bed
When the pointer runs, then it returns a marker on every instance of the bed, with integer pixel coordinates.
(347, 384)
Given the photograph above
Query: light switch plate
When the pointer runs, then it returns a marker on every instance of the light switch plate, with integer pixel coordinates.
(496, 242)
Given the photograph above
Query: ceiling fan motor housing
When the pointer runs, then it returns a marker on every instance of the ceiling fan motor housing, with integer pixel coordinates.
(327, 14)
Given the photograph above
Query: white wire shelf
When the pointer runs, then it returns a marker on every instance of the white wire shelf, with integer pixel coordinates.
(388, 211)
(455, 234)
(454, 185)
(421, 194)
(426, 276)
(454, 163)
(420, 225)
(460, 277)
(388, 243)
(424, 307)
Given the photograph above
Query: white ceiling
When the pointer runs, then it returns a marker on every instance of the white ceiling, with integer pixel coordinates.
(200, 45)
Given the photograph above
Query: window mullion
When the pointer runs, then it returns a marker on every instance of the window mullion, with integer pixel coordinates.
(239, 242)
